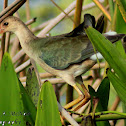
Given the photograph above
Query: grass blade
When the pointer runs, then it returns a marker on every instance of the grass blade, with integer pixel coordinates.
(119, 86)
(47, 112)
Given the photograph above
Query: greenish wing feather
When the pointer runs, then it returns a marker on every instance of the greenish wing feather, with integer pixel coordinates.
(59, 53)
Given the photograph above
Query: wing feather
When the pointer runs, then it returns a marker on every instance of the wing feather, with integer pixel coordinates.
(65, 51)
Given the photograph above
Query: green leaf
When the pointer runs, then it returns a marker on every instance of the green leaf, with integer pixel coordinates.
(109, 52)
(120, 23)
(120, 27)
(29, 106)
(47, 112)
(92, 91)
(119, 86)
(120, 48)
(102, 95)
(11, 106)
(32, 85)
(121, 12)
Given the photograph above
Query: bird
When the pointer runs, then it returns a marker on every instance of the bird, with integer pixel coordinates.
(66, 56)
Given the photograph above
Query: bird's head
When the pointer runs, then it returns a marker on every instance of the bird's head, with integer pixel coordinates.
(9, 24)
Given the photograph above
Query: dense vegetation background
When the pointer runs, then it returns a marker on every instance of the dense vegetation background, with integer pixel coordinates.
(110, 97)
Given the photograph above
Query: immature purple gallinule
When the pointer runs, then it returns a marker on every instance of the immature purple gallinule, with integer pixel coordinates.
(67, 55)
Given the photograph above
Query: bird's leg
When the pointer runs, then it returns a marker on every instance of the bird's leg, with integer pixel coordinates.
(79, 80)
(86, 93)
(80, 104)
(74, 102)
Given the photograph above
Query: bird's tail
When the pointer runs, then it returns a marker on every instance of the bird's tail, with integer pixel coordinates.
(115, 37)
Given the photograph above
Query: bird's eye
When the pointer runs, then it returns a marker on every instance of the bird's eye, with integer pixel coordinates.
(6, 23)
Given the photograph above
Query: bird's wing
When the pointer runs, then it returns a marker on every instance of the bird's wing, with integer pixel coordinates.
(59, 53)
(89, 20)
(74, 47)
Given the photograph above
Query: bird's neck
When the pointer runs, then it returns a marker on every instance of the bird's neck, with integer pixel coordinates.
(24, 34)
(26, 38)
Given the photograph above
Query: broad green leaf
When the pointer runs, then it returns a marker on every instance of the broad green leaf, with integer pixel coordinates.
(92, 91)
(102, 95)
(11, 105)
(29, 106)
(120, 23)
(120, 48)
(109, 52)
(119, 86)
(120, 27)
(32, 85)
(47, 112)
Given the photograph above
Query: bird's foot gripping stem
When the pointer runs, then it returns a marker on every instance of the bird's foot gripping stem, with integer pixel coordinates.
(82, 99)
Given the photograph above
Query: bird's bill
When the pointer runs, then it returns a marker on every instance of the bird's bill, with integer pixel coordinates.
(1, 30)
